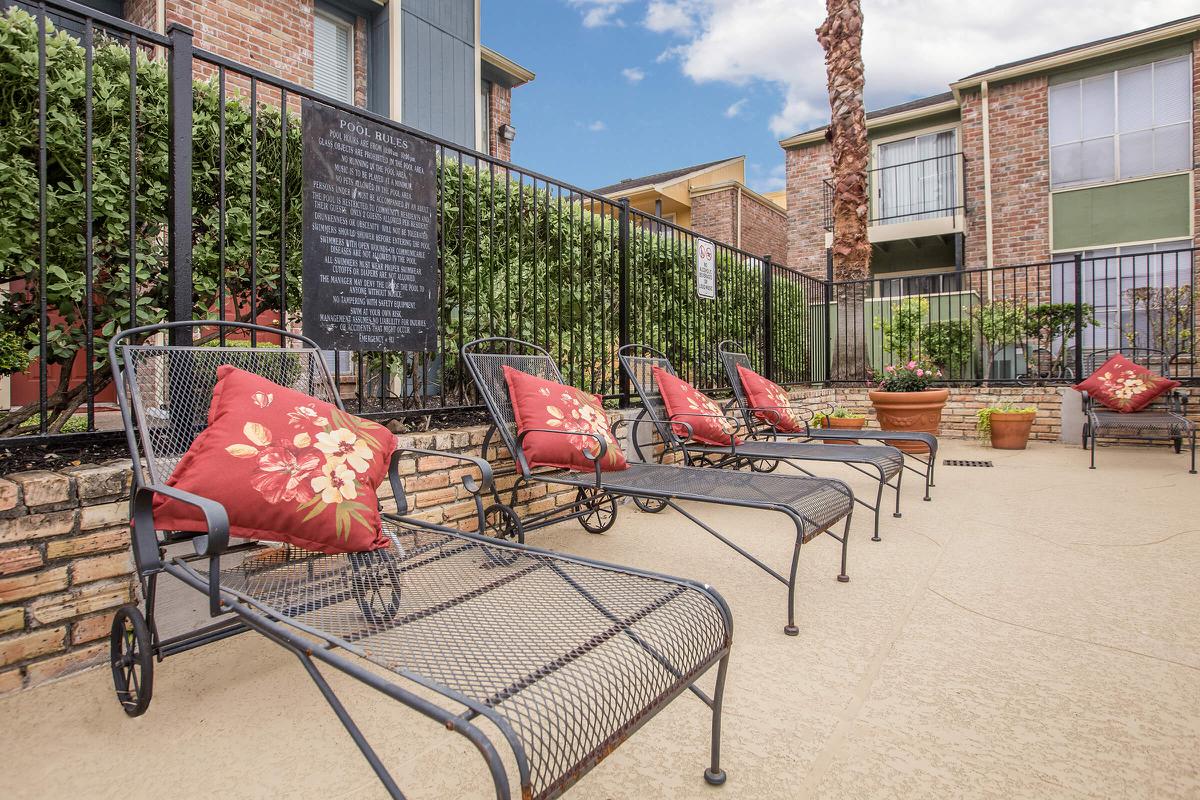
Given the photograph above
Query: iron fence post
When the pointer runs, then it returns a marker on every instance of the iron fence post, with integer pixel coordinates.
(623, 293)
(1078, 316)
(768, 319)
(179, 242)
(829, 338)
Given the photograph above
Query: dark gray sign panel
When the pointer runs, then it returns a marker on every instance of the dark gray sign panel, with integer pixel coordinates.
(370, 234)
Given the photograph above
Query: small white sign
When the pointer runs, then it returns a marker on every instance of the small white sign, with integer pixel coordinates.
(706, 269)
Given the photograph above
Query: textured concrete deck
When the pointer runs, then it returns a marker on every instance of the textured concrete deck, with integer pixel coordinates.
(1032, 632)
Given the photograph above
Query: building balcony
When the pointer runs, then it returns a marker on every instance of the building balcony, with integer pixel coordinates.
(911, 200)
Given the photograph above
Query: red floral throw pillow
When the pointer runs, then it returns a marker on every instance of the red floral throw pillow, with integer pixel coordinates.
(773, 398)
(686, 403)
(286, 466)
(540, 405)
(1124, 386)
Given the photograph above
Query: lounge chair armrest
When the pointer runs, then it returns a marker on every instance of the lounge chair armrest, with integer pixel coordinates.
(775, 417)
(738, 425)
(595, 459)
(216, 520)
(475, 487)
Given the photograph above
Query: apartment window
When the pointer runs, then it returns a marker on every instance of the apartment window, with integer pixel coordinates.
(485, 117)
(915, 178)
(1141, 295)
(333, 57)
(1127, 123)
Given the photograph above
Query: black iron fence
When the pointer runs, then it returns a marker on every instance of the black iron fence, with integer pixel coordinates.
(1022, 324)
(168, 185)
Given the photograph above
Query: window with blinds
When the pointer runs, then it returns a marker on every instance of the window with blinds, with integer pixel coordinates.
(1123, 124)
(333, 57)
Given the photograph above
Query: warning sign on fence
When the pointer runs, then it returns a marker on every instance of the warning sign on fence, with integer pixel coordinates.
(706, 269)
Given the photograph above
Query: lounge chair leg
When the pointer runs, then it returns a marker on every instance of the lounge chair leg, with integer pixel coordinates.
(842, 576)
(899, 482)
(878, 507)
(714, 775)
(790, 629)
(1192, 471)
(1093, 449)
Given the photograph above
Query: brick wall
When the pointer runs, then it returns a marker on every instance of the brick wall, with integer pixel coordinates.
(713, 215)
(1020, 156)
(763, 228)
(500, 113)
(806, 168)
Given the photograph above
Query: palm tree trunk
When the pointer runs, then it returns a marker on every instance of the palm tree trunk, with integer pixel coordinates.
(841, 36)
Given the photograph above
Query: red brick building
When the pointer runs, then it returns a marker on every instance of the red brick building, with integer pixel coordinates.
(1092, 149)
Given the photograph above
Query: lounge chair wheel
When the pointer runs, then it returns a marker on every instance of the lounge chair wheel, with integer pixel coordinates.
(376, 586)
(764, 465)
(130, 653)
(503, 523)
(599, 509)
(649, 504)
(714, 778)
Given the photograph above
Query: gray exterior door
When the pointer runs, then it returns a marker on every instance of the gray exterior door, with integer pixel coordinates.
(438, 70)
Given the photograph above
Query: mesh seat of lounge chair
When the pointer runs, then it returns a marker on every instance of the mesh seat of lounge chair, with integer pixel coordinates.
(884, 464)
(1164, 420)
(813, 505)
(564, 657)
(732, 355)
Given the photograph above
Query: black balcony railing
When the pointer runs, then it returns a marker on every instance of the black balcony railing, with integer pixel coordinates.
(927, 188)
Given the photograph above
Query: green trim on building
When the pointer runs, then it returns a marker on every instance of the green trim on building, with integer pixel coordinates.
(1137, 211)
(1124, 60)
(944, 119)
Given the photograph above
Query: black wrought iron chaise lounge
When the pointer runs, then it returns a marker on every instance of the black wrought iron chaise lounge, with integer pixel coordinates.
(1164, 420)
(563, 657)
(885, 462)
(813, 505)
(732, 354)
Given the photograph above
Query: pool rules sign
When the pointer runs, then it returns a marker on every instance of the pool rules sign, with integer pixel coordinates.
(370, 234)
(706, 269)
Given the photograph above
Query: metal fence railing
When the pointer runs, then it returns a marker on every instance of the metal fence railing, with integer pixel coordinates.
(170, 186)
(1020, 324)
(924, 188)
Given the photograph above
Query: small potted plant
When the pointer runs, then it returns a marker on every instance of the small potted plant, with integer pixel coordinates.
(1005, 425)
(839, 418)
(906, 400)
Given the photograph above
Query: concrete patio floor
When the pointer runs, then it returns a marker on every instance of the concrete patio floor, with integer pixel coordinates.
(1032, 632)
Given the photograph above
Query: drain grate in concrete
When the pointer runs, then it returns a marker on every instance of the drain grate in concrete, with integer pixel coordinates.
(954, 462)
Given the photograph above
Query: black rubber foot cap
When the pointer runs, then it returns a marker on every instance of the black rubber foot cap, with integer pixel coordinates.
(843, 578)
(791, 630)
(897, 515)
(876, 539)
(714, 778)
(926, 499)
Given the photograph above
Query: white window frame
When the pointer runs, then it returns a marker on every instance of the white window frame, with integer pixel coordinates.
(1116, 134)
(339, 22)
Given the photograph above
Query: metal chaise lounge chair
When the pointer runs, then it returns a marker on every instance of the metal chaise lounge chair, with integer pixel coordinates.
(563, 657)
(813, 505)
(732, 354)
(1164, 420)
(886, 463)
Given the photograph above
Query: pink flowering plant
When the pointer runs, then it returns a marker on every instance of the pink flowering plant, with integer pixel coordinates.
(913, 376)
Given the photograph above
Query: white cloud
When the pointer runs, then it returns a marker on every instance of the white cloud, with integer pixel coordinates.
(633, 74)
(763, 180)
(907, 54)
(596, 125)
(736, 107)
(597, 13)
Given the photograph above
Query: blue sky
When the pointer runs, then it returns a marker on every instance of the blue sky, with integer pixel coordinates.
(631, 87)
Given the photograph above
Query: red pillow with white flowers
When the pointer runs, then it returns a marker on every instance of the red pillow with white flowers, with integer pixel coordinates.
(1125, 386)
(286, 466)
(772, 401)
(686, 403)
(540, 405)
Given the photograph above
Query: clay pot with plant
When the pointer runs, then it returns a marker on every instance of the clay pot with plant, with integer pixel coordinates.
(1006, 426)
(840, 418)
(905, 399)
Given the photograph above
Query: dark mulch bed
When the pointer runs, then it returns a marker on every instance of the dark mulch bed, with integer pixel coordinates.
(58, 456)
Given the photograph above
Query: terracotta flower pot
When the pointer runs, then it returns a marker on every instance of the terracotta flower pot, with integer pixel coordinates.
(910, 411)
(850, 423)
(1010, 431)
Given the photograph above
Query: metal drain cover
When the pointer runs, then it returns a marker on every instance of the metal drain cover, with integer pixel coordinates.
(954, 462)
